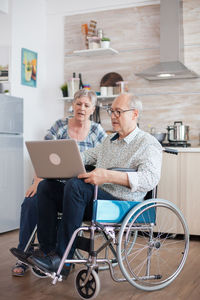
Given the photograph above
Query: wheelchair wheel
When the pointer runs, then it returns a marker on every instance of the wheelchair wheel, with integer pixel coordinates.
(38, 273)
(161, 244)
(90, 288)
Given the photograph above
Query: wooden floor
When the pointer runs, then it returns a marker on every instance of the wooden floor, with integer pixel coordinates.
(185, 287)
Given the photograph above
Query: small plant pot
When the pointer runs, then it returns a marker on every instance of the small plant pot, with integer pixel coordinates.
(64, 89)
(105, 44)
(65, 93)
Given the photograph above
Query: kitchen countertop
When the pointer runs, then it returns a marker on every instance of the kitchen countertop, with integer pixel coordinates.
(186, 149)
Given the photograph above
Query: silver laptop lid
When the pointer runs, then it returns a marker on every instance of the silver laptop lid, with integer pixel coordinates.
(55, 158)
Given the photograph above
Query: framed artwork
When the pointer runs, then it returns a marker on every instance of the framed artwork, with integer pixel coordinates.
(28, 67)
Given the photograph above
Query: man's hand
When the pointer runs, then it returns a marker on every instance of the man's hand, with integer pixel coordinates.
(97, 176)
(32, 190)
(100, 176)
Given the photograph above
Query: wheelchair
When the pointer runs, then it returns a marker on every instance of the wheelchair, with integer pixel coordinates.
(148, 241)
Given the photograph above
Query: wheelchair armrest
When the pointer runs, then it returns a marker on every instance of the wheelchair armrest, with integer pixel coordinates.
(123, 169)
(150, 194)
(113, 169)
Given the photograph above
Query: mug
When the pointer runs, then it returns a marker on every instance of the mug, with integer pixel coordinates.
(103, 90)
(110, 90)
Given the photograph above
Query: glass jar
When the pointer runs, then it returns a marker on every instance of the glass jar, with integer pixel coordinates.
(123, 86)
(94, 42)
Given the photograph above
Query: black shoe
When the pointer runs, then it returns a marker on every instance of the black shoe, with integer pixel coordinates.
(49, 263)
(20, 254)
(39, 253)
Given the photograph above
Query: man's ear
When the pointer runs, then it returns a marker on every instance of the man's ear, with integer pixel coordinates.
(135, 114)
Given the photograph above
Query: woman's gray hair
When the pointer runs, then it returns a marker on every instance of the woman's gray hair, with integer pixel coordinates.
(86, 93)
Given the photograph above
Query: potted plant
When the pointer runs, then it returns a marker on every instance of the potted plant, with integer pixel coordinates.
(6, 92)
(64, 89)
(105, 42)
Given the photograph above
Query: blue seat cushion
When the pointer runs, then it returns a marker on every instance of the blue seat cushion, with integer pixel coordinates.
(114, 211)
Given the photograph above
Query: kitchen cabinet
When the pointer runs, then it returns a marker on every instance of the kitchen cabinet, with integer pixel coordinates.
(179, 183)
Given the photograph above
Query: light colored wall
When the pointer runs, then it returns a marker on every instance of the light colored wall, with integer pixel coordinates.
(29, 30)
(134, 32)
(4, 6)
(5, 28)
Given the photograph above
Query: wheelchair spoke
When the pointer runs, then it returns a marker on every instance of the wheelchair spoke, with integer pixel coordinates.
(160, 248)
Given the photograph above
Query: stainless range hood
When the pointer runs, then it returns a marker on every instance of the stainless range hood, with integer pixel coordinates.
(171, 64)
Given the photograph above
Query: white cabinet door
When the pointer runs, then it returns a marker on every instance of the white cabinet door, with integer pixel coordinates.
(168, 185)
(189, 190)
(180, 184)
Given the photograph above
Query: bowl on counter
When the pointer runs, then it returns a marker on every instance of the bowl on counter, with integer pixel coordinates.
(160, 136)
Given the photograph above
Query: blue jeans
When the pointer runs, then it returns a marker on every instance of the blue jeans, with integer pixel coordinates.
(28, 220)
(75, 200)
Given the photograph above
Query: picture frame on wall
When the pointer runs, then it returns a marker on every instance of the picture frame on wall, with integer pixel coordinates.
(28, 67)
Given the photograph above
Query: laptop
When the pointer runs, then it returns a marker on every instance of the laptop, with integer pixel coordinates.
(55, 158)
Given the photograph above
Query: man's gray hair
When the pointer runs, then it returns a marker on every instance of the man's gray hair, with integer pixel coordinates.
(86, 93)
(135, 102)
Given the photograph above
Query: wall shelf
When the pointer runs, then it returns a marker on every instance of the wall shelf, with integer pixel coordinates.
(102, 98)
(94, 52)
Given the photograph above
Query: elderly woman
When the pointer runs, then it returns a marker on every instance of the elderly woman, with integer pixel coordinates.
(87, 133)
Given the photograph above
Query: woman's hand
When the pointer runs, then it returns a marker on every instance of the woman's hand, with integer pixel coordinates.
(32, 190)
(97, 176)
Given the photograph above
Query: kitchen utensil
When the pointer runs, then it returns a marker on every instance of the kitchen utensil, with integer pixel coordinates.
(178, 132)
(160, 136)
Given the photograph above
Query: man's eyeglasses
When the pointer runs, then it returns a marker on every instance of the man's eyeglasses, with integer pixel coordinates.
(117, 112)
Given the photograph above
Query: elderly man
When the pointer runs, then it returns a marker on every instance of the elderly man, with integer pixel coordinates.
(128, 147)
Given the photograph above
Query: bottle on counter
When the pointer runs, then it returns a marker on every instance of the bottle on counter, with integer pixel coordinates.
(100, 33)
(81, 86)
(73, 86)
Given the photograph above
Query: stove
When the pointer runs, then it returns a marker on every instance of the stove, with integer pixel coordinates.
(176, 144)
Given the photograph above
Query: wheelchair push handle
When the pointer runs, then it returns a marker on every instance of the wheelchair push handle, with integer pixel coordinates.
(170, 151)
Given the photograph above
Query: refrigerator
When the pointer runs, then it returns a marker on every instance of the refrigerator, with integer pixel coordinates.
(11, 162)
